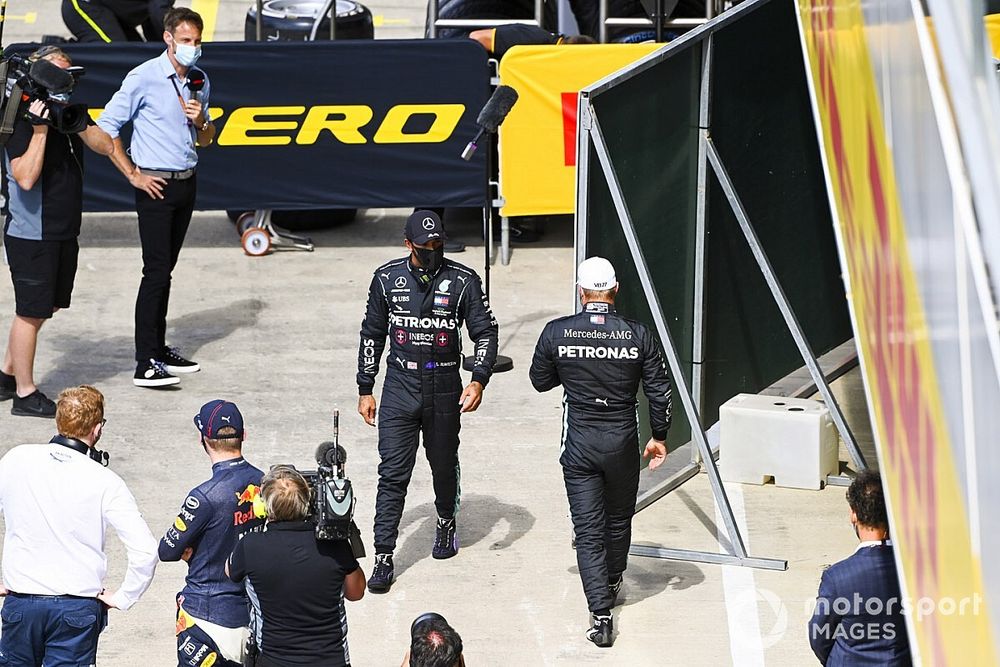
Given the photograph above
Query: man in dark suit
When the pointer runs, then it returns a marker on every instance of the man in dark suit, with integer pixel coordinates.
(859, 616)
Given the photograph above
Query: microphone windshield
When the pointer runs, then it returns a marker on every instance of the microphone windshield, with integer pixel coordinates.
(331, 454)
(51, 77)
(497, 108)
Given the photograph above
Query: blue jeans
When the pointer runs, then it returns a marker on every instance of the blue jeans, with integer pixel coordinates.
(60, 631)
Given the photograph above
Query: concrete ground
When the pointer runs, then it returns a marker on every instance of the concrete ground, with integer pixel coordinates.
(278, 335)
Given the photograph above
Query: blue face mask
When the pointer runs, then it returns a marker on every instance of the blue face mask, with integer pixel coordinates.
(186, 54)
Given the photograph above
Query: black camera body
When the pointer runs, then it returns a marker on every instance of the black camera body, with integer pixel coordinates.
(42, 80)
(332, 504)
(333, 499)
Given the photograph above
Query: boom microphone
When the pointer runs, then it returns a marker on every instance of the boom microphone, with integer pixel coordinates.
(497, 108)
(491, 117)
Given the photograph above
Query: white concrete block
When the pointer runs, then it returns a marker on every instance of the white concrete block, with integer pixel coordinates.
(792, 440)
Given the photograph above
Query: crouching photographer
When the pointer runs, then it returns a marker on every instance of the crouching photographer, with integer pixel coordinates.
(296, 575)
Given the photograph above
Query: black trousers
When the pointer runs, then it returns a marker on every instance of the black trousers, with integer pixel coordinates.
(163, 223)
(95, 22)
(411, 406)
(601, 472)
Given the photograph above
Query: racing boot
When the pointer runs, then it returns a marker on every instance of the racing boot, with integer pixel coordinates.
(602, 632)
(615, 588)
(446, 540)
(382, 574)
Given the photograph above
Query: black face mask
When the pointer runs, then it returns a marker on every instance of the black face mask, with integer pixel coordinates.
(430, 259)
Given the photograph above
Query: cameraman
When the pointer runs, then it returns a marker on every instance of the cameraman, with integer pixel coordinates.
(212, 615)
(433, 643)
(297, 583)
(44, 205)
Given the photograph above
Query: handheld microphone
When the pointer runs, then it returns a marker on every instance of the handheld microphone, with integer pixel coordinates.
(491, 117)
(196, 81)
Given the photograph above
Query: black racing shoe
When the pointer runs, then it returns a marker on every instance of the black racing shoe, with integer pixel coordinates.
(615, 588)
(174, 363)
(8, 386)
(152, 374)
(382, 574)
(602, 633)
(35, 404)
(446, 540)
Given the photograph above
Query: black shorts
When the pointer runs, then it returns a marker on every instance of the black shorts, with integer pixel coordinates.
(42, 273)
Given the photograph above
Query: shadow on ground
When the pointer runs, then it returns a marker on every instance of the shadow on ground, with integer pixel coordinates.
(94, 361)
(648, 577)
(477, 518)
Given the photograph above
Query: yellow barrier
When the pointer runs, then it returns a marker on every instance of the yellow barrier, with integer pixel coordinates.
(538, 138)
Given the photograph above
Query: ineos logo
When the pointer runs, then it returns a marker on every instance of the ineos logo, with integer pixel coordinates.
(401, 281)
(428, 224)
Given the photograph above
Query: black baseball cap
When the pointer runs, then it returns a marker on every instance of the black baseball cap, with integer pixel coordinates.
(424, 226)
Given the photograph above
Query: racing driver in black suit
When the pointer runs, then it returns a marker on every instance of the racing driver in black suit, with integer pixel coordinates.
(600, 358)
(420, 302)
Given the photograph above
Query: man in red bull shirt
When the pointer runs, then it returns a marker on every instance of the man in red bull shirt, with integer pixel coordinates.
(212, 611)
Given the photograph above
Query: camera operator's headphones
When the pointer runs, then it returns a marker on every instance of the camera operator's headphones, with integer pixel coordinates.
(423, 618)
(426, 618)
(94, 453)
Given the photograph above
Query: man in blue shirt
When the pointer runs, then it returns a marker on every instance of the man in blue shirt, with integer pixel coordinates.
(43, 200)
(169, 117)
(212, 612)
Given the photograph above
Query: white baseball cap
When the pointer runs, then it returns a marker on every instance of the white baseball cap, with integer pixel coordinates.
(596, 273)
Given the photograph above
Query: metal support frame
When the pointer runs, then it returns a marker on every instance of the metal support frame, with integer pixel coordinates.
(712, 9)
(280, 239)
(791, 321)
(739, 555)
(701, 234)
(433, 22)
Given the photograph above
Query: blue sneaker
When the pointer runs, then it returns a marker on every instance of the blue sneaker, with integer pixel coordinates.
(446, 540)
(382, 574)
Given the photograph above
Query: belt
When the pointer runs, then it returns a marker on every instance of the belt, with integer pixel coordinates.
(49, 597)
(169, 175)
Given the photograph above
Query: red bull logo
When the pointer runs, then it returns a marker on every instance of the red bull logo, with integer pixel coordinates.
(250, 495)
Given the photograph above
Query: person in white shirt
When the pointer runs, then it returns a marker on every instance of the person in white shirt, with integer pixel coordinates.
(57, 500)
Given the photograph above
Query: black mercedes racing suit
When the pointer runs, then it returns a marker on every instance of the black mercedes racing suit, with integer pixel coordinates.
(115, 20)
(422, 316)
(599, 358)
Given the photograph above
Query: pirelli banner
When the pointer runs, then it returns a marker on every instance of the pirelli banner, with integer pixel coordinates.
(313, 125)
(538, 138)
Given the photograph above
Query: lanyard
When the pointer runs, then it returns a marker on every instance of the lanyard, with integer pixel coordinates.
(180, 99)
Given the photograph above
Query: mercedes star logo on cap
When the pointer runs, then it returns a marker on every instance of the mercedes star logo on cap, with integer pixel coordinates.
(428, 223)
